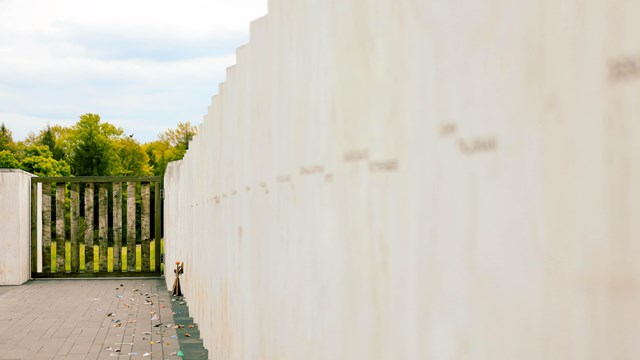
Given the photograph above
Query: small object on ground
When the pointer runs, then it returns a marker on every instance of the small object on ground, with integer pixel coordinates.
(111, 314)
(187, 335)
(190, 326)
(177, 290)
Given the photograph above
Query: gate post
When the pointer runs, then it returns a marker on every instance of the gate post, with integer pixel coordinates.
(15, 222)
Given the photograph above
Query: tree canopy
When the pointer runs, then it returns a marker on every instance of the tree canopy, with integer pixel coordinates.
(171, 146)
(92, 147)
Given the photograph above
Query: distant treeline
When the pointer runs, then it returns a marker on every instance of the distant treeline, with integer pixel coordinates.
(92, 148)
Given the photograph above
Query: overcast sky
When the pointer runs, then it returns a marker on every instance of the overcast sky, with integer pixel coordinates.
(142, 65)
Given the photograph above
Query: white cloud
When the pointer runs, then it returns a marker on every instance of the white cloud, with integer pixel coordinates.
(143, 65)
(186, 19)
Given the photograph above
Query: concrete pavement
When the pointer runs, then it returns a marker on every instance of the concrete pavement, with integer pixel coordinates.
(87, 319)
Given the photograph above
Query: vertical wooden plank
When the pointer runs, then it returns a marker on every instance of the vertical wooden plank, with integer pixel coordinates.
(88, 230)
(34, 228)
(46, 228)
(157, 214)
(145, 221)
(117, 225)
(60, 234)
(39, 227)
(103, 225)
(75, 217)
(131, 226)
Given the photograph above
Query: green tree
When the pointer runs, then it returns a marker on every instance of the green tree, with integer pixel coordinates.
(171, 146)
(132, 159)
(39, 160)
(179, 137)
(8, 160)
(6, 139)
(54, 137)
(92, 150)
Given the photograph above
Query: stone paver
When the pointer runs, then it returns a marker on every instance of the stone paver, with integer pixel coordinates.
(4, 289)
(87, 319)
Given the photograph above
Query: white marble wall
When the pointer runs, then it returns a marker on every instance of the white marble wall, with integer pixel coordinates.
(15, 226)
(409, 179)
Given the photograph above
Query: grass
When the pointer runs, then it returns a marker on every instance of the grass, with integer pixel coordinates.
(110, 260)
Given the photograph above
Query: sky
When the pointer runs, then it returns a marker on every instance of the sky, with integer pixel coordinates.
(141, 65)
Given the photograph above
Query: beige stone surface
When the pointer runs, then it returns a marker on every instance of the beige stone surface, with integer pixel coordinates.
(15, 226)
(416, 179)
(93, 319)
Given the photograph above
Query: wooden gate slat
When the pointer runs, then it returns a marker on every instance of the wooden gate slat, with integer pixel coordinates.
(131, 226)
(46, 228)
(34, 227)
(145, 221)
(103, 224)
(117, 225)
(60, 235)
(157, 225)
(74, 218)
(88, 231)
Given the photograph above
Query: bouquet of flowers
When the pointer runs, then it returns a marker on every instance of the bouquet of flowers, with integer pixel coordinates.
(177, 291)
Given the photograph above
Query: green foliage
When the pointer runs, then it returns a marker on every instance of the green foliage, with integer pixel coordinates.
(43, 166)
(38, 160)
(6, 139)
(55, 138)
(132, 159)
(156, 151)
(180, 137)
(171, 146)
(8, 160)
(37, 150)
(92, 148)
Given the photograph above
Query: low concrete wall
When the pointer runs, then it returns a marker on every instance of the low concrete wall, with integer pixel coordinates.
(408, 179)
(15, 226)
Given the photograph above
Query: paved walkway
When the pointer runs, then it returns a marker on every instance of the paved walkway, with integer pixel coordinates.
(87, 319)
